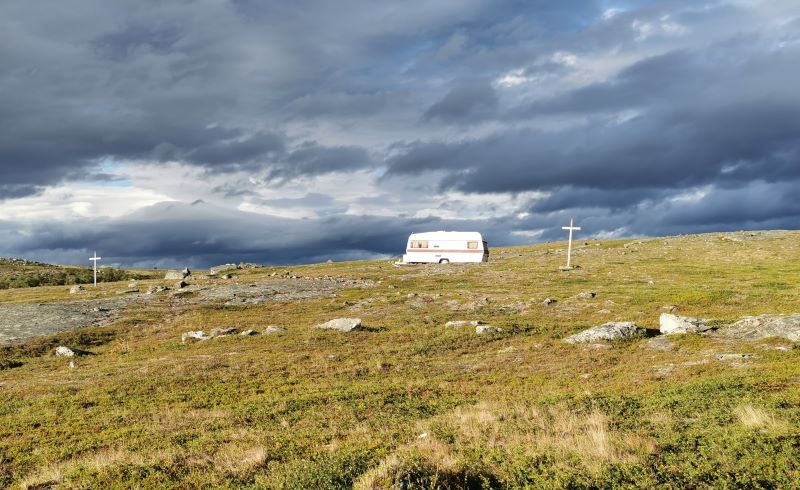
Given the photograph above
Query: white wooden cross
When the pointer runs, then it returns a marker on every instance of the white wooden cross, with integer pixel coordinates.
(95, 259)
(571, 228)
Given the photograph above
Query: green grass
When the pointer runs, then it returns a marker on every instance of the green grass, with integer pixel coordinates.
(410, 403)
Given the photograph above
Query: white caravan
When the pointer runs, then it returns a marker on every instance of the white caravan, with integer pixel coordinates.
(446, 246)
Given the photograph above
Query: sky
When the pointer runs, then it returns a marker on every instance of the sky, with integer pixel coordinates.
(200, 132)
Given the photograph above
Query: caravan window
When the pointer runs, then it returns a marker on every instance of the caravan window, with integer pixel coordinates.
(472, 245)
(419, 244)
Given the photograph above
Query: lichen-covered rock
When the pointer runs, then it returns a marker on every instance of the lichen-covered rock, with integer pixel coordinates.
(484, 329)
(606, 331)
(764, 326)
(194, 336)
(462, 323)
(342, 325)
(64, 351)
(173, 274)
(673, 325)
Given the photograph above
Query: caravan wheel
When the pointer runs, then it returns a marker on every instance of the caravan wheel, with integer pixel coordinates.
(444, 261)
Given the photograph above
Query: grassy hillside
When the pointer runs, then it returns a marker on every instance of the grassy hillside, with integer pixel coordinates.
(408, 403)
(16, 273)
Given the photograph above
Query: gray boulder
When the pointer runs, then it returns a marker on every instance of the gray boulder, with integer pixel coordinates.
(670, 324)
(764, 326)
(342, 325)
(273, 329)
(607, 331)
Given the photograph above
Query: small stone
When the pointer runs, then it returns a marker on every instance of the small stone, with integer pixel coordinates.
(72, 364)
(186, 273)
(342, 325)
(227, 276)
(669, 308)
(223, 331)
(181, 284)
(76, 289)
(97, 309)
(586, 295)
(274, 329)
(548, 301)
(248, 332)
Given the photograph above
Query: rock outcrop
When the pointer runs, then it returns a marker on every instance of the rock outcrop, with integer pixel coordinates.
(221, 268)
(764, 326)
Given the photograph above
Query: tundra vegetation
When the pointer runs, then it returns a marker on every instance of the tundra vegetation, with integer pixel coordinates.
(16, 273)
(405, 402)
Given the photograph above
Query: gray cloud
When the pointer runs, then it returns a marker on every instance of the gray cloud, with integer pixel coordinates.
(466, 102)
(664, 100)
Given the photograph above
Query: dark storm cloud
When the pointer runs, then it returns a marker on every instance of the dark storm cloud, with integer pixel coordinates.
(200, 234)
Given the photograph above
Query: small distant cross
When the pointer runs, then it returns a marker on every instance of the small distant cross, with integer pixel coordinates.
(571, 228)
(95, 259)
